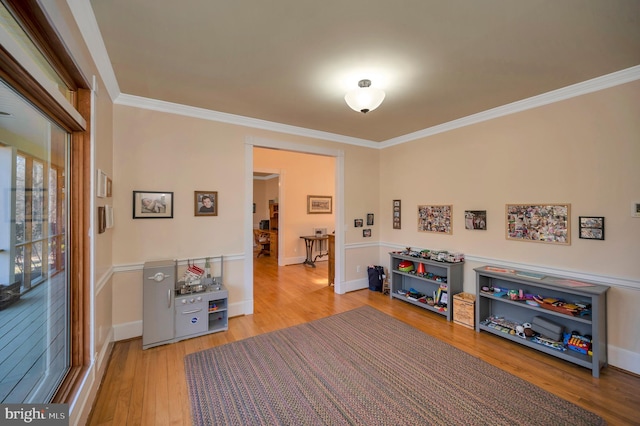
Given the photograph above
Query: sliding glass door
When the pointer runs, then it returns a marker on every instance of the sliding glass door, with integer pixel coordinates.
(34, 290)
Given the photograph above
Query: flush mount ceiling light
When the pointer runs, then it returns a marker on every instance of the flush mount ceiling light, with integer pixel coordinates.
(365, 98)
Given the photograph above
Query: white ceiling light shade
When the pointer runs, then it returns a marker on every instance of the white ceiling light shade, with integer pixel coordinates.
(365, 98)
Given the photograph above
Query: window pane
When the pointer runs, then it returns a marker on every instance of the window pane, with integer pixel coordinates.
(20, 192)
(34, 320)
(37, 189)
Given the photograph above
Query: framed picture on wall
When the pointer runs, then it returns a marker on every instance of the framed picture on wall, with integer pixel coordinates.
(397, 224)
(205, 203)
(369, 219)
(101, 184)
(475, 219)
(152, 205)
(591, 227)
(543, 223)
(435, 218)
(319, 204)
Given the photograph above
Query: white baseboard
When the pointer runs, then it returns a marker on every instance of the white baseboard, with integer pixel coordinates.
(81, 406)
(624, 359)
(347, 286)
(127, 330)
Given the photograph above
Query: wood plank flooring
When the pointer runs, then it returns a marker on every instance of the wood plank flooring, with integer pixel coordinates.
(149, 388)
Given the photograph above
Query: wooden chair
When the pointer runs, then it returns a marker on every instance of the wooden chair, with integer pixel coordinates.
(263, 241)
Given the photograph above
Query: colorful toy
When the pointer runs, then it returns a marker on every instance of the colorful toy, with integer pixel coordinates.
(405, 266)
(578, 343)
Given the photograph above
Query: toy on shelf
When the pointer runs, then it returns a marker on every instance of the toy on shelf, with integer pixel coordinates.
(578, 343)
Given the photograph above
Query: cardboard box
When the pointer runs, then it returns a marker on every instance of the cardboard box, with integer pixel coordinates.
(464, 309)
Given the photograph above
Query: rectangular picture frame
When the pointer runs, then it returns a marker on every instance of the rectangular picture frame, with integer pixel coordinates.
(102, 220)
(205, 203)
(436, 218)
(152, 205)
(475, 220)
(542, 223)
(109, 187)
(591, 227)
(101, 184)
(397, 214)
(319, 204)
(369, 219)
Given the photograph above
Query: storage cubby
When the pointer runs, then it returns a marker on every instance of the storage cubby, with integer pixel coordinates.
(585, 322)
(444, 276)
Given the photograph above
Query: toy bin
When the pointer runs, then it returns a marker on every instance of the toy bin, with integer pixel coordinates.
(464, 309)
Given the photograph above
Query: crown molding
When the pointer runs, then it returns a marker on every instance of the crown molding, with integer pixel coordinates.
(88, 26)
(578, 89)
(83, 14)
(223, 117)
(268, 177)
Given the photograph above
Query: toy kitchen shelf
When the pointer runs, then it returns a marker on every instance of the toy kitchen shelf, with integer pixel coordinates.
(445, 274)
(546, 286)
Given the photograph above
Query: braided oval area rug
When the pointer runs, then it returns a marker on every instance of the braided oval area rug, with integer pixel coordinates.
(362, 367)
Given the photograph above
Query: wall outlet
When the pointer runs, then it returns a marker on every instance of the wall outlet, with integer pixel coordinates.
(358, 268)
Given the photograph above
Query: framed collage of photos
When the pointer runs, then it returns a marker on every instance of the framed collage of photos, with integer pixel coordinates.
(397, 223)
(436, 218)
(544, 223)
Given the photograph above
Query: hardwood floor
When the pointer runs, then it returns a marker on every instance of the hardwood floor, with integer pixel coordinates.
(148, 387)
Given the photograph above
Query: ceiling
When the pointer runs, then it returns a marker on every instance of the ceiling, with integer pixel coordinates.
(291, 61)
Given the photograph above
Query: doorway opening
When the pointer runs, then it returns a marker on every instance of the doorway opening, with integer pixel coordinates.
(294, 220)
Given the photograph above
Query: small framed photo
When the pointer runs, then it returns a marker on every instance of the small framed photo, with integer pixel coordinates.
(591, 227)
(101, 184)
(369, 219)
(397, 224)
(205, 203)
(319, 204)
(475, 219)
(109, 214)
(635, 210)
(357, 223)
(152, 205)
(102, 220)
(366, 233)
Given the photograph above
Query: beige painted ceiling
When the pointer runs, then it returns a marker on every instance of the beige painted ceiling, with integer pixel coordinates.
(291, 61)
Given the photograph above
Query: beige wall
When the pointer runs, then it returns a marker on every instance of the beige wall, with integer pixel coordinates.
(156, 151)
(261, 200)
(300, 175)
(583, 151)
(265, 190)
(103, 243)
(580, 151)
